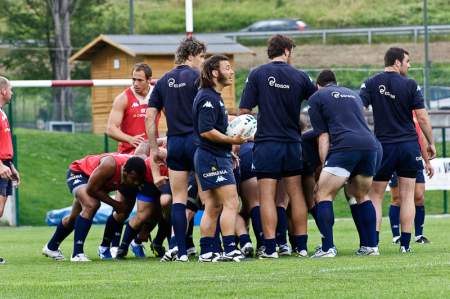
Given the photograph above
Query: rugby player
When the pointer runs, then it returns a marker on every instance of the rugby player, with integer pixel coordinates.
(126, 124)
(213, 160)
(8, 173)
(347, 149)
(393, 98)
(419, 197)
(277, 89)
(90, 180)
(174, 93)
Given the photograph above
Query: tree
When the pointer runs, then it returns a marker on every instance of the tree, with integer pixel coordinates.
(40, 33)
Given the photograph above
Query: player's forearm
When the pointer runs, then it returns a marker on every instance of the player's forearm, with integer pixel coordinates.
(424, 123)
(101, 195)
(324, 145)
(150, 127)
(217, 137)
(117, 134)
(244, 111)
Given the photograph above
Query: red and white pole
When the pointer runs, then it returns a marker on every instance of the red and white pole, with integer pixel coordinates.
(189, 18)
(74, 83)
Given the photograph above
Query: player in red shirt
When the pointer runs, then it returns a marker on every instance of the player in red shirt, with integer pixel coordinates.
(8, 173)
(90, 180)
(126, 124)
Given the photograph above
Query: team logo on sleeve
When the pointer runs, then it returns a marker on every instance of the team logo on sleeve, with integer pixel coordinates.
(207, 105)
(171, 82)
(363, 86)
(273, 83)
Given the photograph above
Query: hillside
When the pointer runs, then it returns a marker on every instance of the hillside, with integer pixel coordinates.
(229, 15)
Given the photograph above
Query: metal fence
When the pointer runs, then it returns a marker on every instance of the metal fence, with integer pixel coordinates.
(414, 31)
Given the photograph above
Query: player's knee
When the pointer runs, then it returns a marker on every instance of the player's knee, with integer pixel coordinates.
(91, 207)
(419, 199)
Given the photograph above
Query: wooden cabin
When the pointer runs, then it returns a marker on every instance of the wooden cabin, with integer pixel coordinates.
(113, 57)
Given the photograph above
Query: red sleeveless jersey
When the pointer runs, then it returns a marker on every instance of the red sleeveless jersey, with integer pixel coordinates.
(148, 173)
(88, 164)
(6, 147)
(133, 122)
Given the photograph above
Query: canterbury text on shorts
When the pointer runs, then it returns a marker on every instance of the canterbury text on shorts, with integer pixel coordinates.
(213, 171)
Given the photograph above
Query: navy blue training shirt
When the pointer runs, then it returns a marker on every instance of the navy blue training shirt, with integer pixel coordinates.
(393, 98)
(340, 112)
(175, 92)
(277, 89)
(209, 113)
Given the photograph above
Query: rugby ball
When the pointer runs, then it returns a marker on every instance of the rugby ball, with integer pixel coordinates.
(245, 123)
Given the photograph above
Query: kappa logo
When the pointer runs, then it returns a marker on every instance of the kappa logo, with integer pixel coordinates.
(79, 242)
(208, 105)
(172, 83)
(77, 181)
(273, 83)
(220, 179)
(363, 85)
(418, 158)
(253, 167)
(221, 104)
(135, 105)
(384, 92)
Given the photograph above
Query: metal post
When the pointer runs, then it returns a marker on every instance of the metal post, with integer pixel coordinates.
(427, 60)
(444, 154)
(415, 36)
(324, 37)
(14, 142)
(106, 143)
(369, 37)
(131, 16)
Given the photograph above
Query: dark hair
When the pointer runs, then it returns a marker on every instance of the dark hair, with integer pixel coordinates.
(277, 44)
(326, 77)
(189, 46)
(210, 64)
(144, 68)
(394, 54)
(137, 165)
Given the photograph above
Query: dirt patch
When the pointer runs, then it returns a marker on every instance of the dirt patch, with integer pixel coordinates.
(317, 56)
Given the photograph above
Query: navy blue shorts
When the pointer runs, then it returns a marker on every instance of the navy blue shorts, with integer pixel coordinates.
(213, 171)
(165, 189)
(5, 187)
(404, 158)
(351, 163)
(6, 184)
(149, 193)
(75, 181)
(192, 187)
(275, 160)
(420, 179)
(180, 152)
(245, 161)
(379, 155)
(311, 159)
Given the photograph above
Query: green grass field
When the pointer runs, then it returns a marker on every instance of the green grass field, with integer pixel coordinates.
(423, 274)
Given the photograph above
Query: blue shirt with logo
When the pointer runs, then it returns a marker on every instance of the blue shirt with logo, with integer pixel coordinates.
(210, 113)
(340, 112)
(393, 97)
(277, 89)
(175, 92)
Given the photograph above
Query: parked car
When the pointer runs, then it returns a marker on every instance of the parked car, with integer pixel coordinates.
(277, 25)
